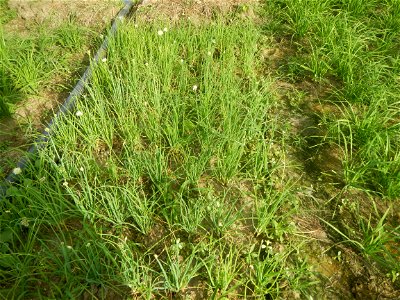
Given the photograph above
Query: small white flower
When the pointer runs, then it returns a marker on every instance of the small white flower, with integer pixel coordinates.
(165, 29)
(17, 171)
(81, 169)
(220, 224)
(182, 60)
(195, 88)
(69, 247)
(65, 183)
(104, 59)
(146, 64)
(88, 245)
(263, 246)
(251, 267)
(79, 113)
(155, 256)
(25, 222)
(160, 32)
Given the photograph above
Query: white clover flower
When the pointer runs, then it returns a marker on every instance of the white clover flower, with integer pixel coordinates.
(79, 113)
(194, 88)
(160, 32)
(104, 59)
(165, 29)
(17, 171)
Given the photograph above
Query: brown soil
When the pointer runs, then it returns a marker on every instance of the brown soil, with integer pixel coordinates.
(193, 10)
(90, 13)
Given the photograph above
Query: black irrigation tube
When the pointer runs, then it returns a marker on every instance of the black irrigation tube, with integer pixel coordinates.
(69, 103)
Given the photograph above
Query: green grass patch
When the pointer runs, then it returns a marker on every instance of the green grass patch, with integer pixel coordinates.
(353, 46)
(351, 49)
(6, 13)
(166, 180)
(175, 175)
(31, 63)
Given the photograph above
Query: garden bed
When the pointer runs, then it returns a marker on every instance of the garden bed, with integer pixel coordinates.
(215, 154)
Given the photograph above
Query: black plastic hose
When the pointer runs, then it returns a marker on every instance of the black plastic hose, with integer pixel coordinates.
(69, 103)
